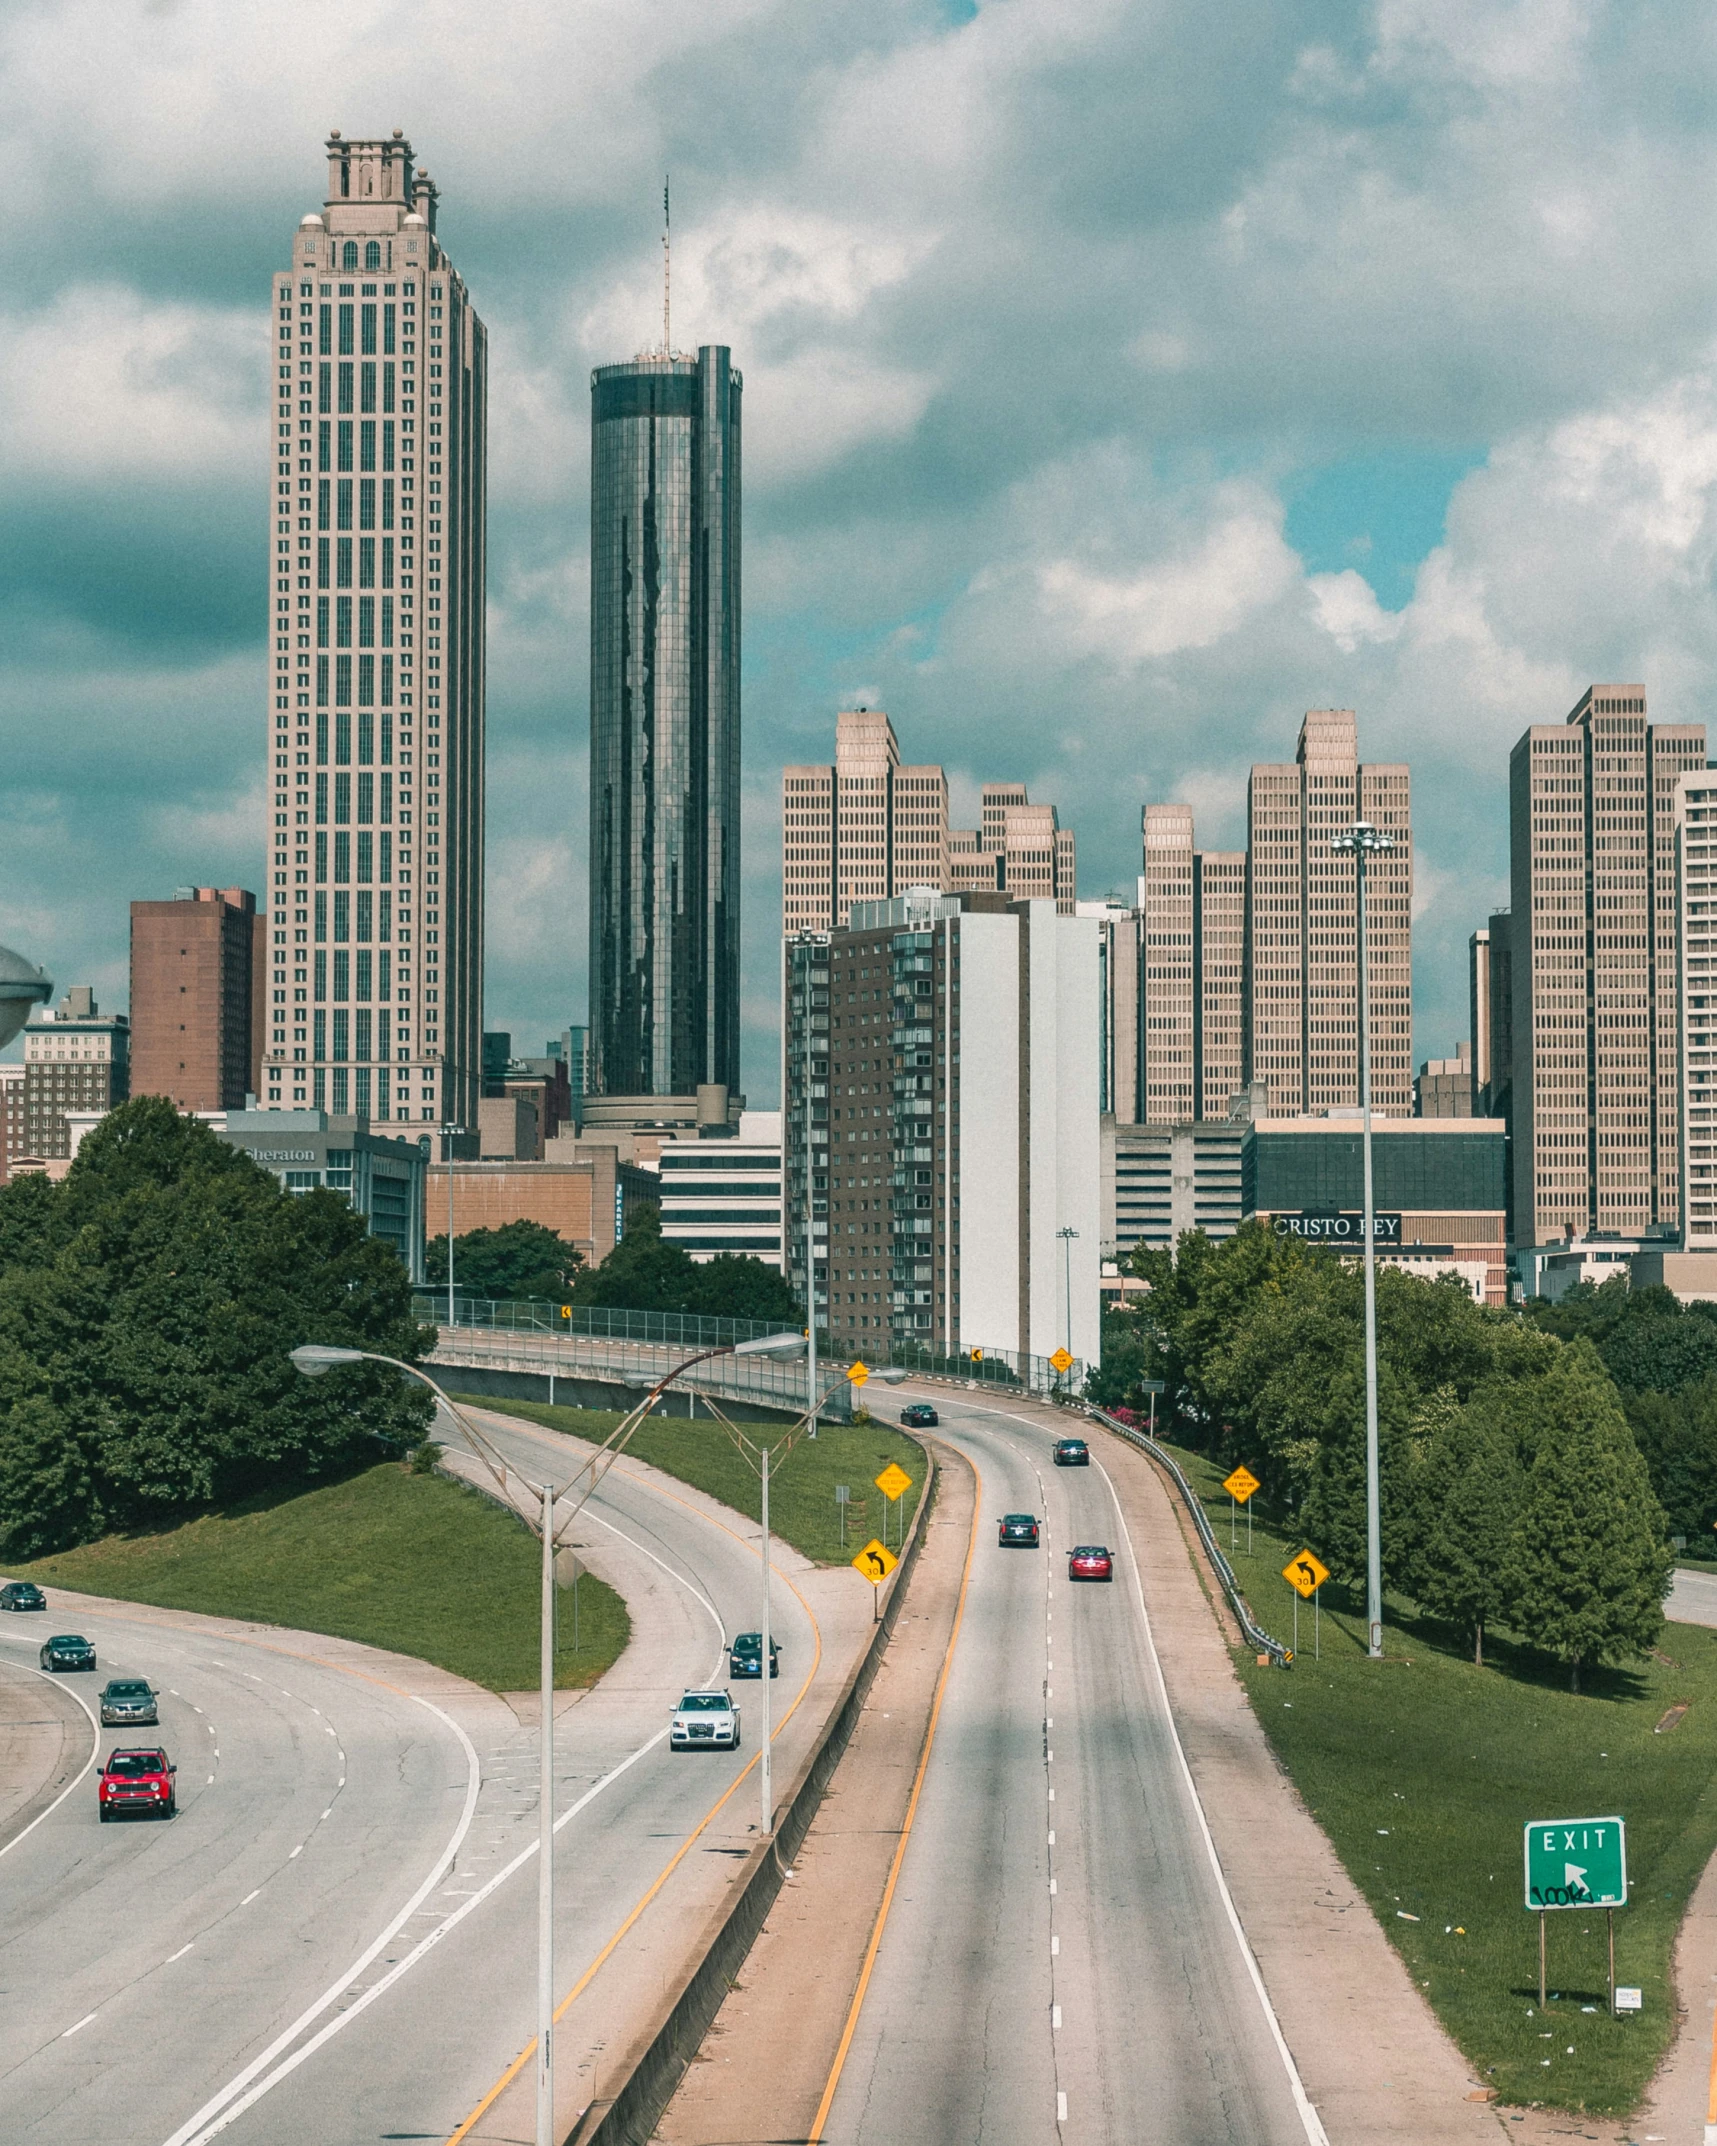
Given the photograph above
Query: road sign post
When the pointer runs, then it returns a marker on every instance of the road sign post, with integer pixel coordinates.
(843, 1497)
(1576, 1863)
(1153, 1387)
(894, 1482)
(1240, 1486)
(1305, 1574)
(876, 1561)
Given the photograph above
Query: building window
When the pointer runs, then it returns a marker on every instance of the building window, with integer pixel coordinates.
(342, 622)
(367, 385)
(373, 254)
(346, 445)
(365, 857)
(345, 331)
(343, 563)
(366, 681)
(321, 622)
(343, 503)
(342, 803)
(342, 858)
(321, 800)
(324, 388)
(343, 681)
(342, 916)
(321, 685)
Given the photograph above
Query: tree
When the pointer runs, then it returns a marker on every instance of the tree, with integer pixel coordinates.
(1677, 1437)
(734, 1285)
(1469, 1493)
(147, 1307)
(520, 1262)
(1131, 1354)
(642, 1273)
(1588, 1566)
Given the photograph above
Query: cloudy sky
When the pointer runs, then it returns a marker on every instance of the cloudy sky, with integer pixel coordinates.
(1122, 379)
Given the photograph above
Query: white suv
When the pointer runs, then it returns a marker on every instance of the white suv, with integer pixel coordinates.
(706, 1720)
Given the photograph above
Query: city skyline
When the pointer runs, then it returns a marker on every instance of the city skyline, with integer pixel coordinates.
(1049, 471)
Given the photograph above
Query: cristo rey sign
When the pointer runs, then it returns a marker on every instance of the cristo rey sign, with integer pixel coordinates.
(1323, 1227)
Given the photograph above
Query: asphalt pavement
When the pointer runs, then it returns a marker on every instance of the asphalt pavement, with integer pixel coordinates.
(1060, 1959)
(335, 1939)
(1692, 1597)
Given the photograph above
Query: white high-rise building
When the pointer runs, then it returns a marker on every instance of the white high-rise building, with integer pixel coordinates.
(376, 716)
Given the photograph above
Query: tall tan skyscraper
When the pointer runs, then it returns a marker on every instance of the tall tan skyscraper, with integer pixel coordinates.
(1696, 830)
(376, 728)
(868, 828)
(1302, 956)
(1596, 1057)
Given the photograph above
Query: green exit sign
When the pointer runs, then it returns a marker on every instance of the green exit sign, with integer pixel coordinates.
(1576, 1863)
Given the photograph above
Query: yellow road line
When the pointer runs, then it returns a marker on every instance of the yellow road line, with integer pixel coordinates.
(584, 1981)
(1711, 2098)
(814, 2136)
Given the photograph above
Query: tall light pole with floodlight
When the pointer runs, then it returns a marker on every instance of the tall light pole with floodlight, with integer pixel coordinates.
(1362, 842)
(449, 1133)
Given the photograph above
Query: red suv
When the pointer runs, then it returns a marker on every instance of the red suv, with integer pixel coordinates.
(137, 1781)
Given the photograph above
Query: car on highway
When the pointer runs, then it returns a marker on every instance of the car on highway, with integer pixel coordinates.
(1017, 1531)
(128, 1699)
(69, 1650)
(704, 1721)
(919, 1416)
(1090, 1561)
(138, 1781)
(745, 1656)
(1071, 1453)
(22, 1595)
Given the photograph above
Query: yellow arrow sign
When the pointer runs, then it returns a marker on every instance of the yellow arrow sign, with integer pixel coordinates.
(1240, 1484)
(875, 1563)
(859, 1373)
(977, 1356)
(893, 1481)
(1061, 1360)
(1305, 1574)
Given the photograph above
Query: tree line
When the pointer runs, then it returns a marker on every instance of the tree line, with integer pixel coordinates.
(1514, 1488)
(147, 1306)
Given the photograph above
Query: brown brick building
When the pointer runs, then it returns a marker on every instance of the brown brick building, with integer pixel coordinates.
(197, 975)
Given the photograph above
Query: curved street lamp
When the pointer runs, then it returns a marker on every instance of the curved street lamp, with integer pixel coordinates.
(315, 1360)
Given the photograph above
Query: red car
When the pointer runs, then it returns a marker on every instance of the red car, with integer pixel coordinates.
(1090, 1561)
(137, 1781)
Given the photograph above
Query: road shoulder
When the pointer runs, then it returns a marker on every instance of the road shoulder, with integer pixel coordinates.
(762, 2068)
(1375, 2062)
(45, 1742)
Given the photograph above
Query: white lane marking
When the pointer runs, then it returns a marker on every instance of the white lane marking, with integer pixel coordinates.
(1052, 1885)
(82, 2023)
(1055, 1948)
(1061, 2108)
(1052, 1836)
(210, 1782)
(249, 1897)
(94, 1754)
(190, 2137)
(232, 2099)
(1052, 1795)
(299, 1850)
(241, 2093)
(180, 1954)
(328, 1813)
(1055, 2019)
(1310, 2121)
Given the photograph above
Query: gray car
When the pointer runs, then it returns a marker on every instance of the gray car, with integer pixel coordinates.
(125, 1700)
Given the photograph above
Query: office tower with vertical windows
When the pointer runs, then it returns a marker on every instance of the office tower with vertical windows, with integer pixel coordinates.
(1302, 956)
(376, 717)
(1596, 1059)
(664, 724)
(867, 829)
(1696, 903)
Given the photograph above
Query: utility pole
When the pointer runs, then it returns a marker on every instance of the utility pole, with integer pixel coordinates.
(812, 1397)
(1363, 842)
(1067, 1236)
(450, 1133)
(765, 1664)
(545, 1841)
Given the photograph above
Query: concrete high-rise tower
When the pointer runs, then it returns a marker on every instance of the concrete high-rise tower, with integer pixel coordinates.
(376, 718)
(664, 724)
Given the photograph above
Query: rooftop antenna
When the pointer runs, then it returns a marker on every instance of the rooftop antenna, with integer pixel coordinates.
(667, 340)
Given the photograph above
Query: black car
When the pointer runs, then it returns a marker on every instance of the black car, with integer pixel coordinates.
(70, 1650)
(1072, 1453)
(745, 1656)
(22, 1595)
(919, 1416)
(1018, 1530)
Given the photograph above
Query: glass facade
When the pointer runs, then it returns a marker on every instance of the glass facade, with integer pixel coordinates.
(664, 725)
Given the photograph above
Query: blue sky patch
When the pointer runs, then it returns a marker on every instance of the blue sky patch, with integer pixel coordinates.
(1380, 514)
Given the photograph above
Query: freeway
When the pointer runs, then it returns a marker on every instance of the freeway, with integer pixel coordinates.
(335, 1938)
(1060, 1959)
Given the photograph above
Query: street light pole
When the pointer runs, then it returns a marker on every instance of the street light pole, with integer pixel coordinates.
(1067, 1236)
(810, 1218)
(313, 1361)
(1363, 842)
(449, 1133)
(764, 1663)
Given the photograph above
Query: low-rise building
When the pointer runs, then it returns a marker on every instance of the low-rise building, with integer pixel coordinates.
(1444, 1088)
(75, 1059)
(383, 1179)
(1438, 1190)
(583, 1191)
(1160, 1181)
(723, 1194)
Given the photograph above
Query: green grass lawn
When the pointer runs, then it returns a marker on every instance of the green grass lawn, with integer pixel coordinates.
(411, 1562)
(1423, 1770)
(802, 1507)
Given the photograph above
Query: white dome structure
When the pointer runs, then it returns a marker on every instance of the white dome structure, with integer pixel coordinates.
(312, 222)
(22, 988)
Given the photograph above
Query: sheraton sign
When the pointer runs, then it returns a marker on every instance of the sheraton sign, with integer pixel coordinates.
(1324, 1227)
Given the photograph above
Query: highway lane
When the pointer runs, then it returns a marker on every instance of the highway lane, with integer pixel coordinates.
(425, 2053)
(1060, 1960)
(139, 1959)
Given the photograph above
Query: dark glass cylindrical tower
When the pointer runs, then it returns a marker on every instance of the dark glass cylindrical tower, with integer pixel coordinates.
(664, 725)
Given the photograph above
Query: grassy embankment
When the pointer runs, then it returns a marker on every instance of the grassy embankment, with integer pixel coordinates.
(1423, 1770)
(802, 1507)
(410, 1562)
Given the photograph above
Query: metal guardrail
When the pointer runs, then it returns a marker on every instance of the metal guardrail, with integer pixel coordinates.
(1255, 1633)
